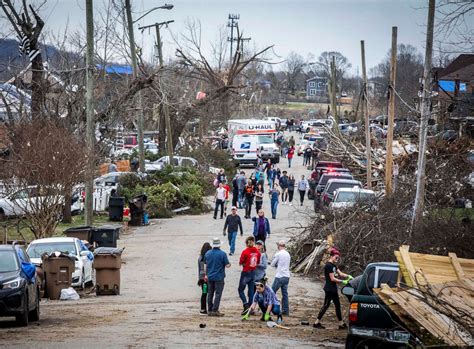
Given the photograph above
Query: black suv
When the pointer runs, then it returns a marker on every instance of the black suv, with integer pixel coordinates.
(19, 288)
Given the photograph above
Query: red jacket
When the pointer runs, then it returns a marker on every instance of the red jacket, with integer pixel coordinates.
(291, 152)
(249, 258)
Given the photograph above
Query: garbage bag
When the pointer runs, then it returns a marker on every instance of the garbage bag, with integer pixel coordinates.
(108, 250)
(69, 294)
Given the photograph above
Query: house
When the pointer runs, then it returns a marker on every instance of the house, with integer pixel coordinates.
(316, 87)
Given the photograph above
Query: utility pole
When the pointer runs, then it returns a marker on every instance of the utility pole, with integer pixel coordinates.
(89, 207)
(140, 123)
(391, 115)
(242, 40)
(365, 116)
(232, 24)
(159, 46)
(333, 92)
(425, 116)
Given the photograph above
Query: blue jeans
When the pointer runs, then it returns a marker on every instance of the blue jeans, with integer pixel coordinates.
(275, 308)
(289, 162)
(283, 284)
(247, 279)
(232, 236)
(274, 205)
(214, 295)
(241, 198)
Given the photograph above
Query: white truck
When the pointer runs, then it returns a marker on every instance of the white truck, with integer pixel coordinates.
(263, 130)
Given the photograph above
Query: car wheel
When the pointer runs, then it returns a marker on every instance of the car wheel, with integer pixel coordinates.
(34, 315)
(22, 319)
(2, 215)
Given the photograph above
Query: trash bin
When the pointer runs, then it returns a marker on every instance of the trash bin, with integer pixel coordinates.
(137, 209)
(105, 236)
(58, 269)
(82, 232)
(107, 264)
(116, 205)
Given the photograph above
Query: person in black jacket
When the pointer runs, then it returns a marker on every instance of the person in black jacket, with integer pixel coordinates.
(232, 223)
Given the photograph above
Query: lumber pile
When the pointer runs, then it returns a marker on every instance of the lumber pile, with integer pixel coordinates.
(436, 303)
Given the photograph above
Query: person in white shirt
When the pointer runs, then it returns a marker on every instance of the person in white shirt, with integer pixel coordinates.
(281, 261)
(219, 198)
(303, 185)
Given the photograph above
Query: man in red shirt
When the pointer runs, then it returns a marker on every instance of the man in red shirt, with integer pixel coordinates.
(249, 260)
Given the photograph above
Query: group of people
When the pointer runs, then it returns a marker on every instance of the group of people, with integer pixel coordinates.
(253, 289)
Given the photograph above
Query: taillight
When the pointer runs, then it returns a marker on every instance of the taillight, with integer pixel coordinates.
(353, 312)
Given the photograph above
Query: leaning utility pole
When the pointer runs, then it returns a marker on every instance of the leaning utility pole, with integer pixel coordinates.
(365, 116)
(159, 46)
(425, 116)
(232, 24)
(133, 54)
(333, 92)
(89, 207)
(391, 115)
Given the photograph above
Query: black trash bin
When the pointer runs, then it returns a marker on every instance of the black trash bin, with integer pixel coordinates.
(82, 232)
(106, 236)
(137, 209)
(116, 205)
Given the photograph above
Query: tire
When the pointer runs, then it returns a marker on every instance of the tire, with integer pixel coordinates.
(3, 217)
(34, 315)
(22, 319)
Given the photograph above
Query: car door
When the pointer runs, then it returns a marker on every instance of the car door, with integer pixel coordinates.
(31, 284)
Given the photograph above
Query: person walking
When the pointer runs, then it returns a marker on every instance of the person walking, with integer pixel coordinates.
(259, 197)
(202, 282)
(261, 226)
(291, 142)
(284, 187)
(249, 259)
(291, 189)
(241, 182)
(227, 195)
(291, 154)
(333, 276)
(307, 155)
(216, 261)
(314, 156)
(219, 199)
(267, 301)
(249, 195)
(261, 270)
(233, 223)
(281, 261)
(271, 175)
(221, 176)
(303, 186)
(274, 199)
(235, 191)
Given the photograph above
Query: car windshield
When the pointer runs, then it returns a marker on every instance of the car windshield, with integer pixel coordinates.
(265, 139)
(8, 261)
(349, 196)
(334, 186)
(36, 250)
(325, 178)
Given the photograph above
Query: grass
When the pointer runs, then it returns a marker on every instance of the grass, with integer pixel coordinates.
(17, 229)
(454, 213)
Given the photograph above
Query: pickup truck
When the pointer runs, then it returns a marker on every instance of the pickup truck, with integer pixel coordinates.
(371, 323)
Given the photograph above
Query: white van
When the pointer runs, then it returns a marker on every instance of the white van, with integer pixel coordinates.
(245, 149)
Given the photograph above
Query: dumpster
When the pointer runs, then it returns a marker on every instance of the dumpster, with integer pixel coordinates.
(106, 236)
(116, 205)
(137, 209)
(107, 264)
(58, 269)
(82, 232)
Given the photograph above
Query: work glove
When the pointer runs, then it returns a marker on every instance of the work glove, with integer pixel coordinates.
(266, 317)
(246, 316)
(346, 281)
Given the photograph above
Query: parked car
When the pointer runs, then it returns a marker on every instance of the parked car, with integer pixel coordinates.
(149, 147)
(378, 131)
(112, 179)
(160, 164)
(329, 191)
(72, 246)
(19, 288)
(348, 197)
(24, 201)
(329, 164)
(323, 180)
(371, 323)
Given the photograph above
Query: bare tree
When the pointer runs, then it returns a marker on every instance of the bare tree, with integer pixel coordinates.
(294, 67)
(455, 25)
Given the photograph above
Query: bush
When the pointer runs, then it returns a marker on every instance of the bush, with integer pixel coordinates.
(192, 195)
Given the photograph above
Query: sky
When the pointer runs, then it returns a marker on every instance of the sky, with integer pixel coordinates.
(302, 26)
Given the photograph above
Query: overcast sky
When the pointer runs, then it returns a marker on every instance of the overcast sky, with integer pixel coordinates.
(303, 26)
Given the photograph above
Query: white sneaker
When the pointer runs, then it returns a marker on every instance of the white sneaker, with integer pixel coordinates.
(291, 204)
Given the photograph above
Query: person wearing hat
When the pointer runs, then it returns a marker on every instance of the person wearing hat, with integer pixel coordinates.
(281, 261)
(333, 276)
(216, 261)
(232, 224)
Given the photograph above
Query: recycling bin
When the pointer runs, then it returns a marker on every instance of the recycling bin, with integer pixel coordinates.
(82, 232)
(58, 271)
(116, 205)
(105, 236)
(107, 264)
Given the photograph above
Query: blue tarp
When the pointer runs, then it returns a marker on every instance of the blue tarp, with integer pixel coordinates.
(28, 269)
(116, 69)
(448, 86)
(90, 256)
